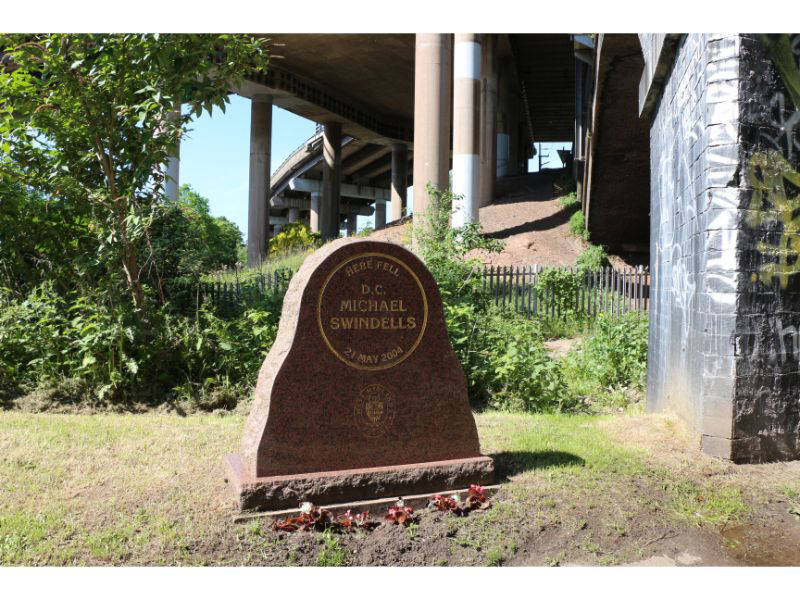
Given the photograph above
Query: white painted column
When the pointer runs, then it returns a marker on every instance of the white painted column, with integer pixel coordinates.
(173, 167)
(313, 219)
(399, 182)
(258, 197)
(466, 127)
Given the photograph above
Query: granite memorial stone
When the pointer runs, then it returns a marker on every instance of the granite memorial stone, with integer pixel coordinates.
(361, 396)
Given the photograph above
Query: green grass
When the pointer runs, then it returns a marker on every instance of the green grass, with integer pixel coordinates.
(148, 489)
(332, 553)
(287, 262)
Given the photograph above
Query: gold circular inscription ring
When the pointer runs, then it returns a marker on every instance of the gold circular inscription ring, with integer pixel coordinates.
(372, 311)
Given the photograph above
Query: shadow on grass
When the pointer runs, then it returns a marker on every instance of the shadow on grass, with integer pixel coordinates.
(507, 464)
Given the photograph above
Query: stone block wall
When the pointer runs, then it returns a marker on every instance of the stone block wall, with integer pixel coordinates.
(693, 195)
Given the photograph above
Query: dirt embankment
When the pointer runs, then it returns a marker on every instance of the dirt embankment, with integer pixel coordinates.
(529, 218)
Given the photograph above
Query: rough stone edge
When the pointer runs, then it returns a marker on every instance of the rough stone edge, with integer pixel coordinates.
(353, 485)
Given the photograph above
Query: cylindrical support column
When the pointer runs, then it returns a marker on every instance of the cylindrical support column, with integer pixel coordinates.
(506, 119)
(380, 214)
(488, 174)
(313, 217)
(466, 127)
(173, 167)
(399, 182)
(276, 229)
(294, 215)
(432, 90)
(258, 197)
(331, 179)
(350, 224)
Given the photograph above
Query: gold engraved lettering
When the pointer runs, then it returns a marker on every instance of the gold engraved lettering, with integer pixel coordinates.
(395, 309)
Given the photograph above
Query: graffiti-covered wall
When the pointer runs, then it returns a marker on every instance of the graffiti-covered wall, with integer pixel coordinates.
(767, 392)
(693, 211)
(725, 222)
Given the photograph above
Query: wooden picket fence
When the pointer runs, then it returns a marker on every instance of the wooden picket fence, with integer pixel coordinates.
(605, 291)
(229, 289)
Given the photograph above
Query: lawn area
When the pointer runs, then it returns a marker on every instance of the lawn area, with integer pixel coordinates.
(111, 489)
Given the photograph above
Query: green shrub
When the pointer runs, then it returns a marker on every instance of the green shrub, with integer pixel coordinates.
(293, 237)
(577, 225)
(504, 359)
(613, 356)
(570, 201)
(592, 258)
(560, 287)
(47, 338)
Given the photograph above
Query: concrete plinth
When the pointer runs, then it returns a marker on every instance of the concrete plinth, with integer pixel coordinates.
(258, 197)
(466, 127)
(353, 485)
(399, 182)
(331, 180)
(432, 88)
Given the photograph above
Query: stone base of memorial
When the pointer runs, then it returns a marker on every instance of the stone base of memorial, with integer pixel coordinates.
(361, 395)
(354, 485)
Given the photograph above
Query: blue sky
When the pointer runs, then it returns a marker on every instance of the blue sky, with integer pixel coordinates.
(215, 156)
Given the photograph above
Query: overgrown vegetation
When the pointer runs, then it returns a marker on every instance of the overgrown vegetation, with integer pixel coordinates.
(611, 362)
(96, 263)
(593, 258)
(293, 237)
(577, 225)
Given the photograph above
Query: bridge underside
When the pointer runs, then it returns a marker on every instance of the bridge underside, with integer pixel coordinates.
(617, 187)
(366, 83)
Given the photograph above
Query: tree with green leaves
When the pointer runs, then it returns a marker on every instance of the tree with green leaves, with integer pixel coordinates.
(87, 121)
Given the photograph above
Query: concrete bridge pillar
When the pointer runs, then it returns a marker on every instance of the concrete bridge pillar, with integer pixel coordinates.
(380, 214)
(331, 180)
(507, 120)
(432, 86)
(258, 197)
(350, 224)
(488, 149)
(399, 182)
(173, 165)
(466, 127)
(313, 217)
(294, 215)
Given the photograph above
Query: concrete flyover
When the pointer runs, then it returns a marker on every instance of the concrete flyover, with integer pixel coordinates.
(384, 109)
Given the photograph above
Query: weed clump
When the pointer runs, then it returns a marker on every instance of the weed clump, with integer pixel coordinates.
(577, 225)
